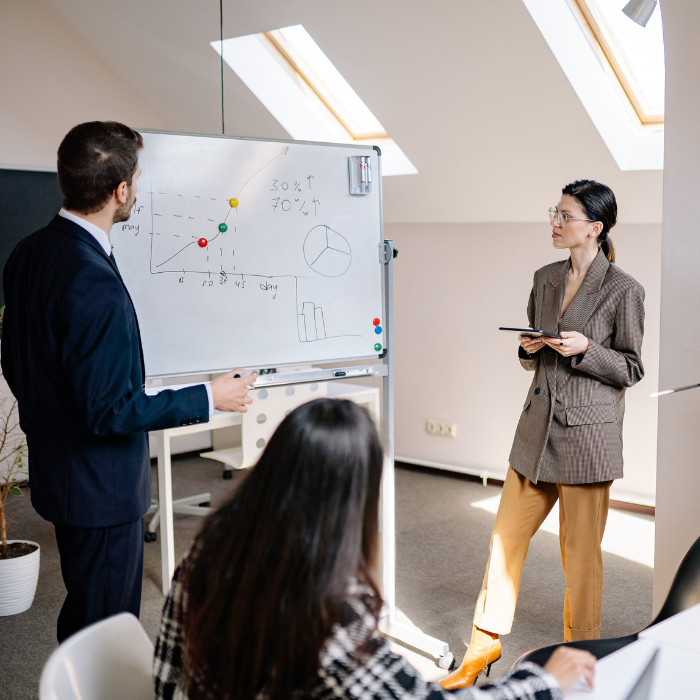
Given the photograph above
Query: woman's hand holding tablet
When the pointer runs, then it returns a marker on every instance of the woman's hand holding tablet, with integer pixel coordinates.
(531, 333)
(531, 340)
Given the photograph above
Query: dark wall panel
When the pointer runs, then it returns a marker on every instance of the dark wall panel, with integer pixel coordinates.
(28, 201)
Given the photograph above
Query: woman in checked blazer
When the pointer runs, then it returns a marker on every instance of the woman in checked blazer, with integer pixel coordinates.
(568, 444)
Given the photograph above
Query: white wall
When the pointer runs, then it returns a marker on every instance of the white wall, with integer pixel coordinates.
(455, 284)
(678, 482)
(49, 81)
(16, 436)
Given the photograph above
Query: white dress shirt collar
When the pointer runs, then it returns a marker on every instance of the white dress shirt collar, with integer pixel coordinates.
(100, 236)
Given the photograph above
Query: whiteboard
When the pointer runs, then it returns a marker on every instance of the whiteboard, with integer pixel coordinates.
(250, 253)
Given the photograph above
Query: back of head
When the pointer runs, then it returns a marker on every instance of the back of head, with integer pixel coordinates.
(599, 203)
(94, 158)
(269, 572)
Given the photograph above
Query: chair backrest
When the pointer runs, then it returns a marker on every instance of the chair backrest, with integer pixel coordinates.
(110, 660)
(685, 589)
(268, 410)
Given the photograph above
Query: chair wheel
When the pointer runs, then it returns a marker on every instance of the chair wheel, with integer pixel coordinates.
(205, 504)
(149, 536)
(228, 474)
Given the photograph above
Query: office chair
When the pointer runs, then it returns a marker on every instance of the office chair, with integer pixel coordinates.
(110, 660)
(267, 411)
(684, 594)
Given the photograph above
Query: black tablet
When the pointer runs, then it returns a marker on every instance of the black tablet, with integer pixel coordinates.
(529, 331)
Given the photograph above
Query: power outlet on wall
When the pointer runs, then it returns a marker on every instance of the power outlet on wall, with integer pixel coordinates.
(435, 427)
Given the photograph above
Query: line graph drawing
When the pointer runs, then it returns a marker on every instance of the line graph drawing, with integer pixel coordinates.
(326, 252)
(198, 220)
(283, 152)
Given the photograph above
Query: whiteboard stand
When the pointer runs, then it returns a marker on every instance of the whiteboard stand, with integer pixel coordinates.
(388, 624)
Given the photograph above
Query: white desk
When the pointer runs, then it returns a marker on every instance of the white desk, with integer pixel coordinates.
(368, 396)
(682, 631)
(677, 667)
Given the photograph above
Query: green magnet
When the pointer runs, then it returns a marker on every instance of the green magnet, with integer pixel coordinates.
(223, 228)
(377, 346)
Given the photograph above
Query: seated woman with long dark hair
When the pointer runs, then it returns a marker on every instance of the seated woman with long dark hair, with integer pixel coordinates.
(276, 599)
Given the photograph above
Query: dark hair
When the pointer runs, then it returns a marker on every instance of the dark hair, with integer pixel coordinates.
(598, 201)
(94, 158)
(269, 571)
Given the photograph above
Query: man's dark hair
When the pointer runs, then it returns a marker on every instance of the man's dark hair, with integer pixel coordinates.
(94, 158)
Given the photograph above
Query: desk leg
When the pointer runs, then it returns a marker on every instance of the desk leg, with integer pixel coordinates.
(165, 502)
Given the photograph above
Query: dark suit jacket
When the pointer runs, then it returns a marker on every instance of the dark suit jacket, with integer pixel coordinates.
(570, 430)
(71, 354)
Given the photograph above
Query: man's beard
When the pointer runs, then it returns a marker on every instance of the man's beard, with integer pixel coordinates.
(124, 211)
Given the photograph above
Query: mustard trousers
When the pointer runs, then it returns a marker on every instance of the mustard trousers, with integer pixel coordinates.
(583, 511)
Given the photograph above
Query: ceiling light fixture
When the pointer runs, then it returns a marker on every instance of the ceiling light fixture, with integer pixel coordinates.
(640, 11)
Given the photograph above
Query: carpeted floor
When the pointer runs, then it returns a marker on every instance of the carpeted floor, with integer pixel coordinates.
(442, 545)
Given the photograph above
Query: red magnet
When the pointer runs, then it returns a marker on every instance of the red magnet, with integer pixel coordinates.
(202, 242)
(376, 322)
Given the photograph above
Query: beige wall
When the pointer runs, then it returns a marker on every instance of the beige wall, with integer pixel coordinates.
(455, 284)
(678, 483)
(49, 81)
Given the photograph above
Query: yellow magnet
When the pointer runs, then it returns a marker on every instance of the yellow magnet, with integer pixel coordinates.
(233, 202)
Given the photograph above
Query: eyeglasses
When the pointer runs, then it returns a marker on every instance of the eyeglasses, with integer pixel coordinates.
(562, 217)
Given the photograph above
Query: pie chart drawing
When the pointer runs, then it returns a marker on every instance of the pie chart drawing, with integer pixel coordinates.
(326, 252)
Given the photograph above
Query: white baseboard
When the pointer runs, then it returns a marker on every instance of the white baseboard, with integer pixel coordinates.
(484, 474)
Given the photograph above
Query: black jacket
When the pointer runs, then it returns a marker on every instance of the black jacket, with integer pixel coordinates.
(71, 354)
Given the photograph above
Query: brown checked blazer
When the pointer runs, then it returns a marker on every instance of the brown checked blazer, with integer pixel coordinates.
(570, 430)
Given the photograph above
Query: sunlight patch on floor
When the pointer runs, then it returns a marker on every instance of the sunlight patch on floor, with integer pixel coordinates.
(626, 535)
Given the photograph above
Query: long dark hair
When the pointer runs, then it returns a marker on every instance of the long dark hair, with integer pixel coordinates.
(599, 203)
(269, 572)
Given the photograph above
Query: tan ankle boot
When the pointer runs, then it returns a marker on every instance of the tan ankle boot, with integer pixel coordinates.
(484, 650)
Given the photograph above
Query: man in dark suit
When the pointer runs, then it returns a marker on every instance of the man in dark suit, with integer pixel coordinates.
(71, 354)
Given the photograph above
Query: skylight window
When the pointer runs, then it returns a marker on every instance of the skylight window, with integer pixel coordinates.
(635, 54)
(289, 73)
(616, 69)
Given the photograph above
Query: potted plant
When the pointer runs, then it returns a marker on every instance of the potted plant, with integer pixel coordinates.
(19, 559)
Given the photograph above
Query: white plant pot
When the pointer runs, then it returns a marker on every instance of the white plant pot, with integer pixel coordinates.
(18, 579)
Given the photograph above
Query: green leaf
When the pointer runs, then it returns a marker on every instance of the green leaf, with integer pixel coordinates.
(16, 491)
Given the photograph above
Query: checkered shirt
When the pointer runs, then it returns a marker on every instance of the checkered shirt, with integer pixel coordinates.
(356, 662)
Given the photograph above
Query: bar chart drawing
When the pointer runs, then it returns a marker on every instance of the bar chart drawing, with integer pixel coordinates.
(311, 323)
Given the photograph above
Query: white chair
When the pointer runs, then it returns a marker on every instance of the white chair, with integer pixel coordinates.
(267, 411)
(110, 660)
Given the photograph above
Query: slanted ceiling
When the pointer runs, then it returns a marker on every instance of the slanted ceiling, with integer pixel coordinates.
(469, 90)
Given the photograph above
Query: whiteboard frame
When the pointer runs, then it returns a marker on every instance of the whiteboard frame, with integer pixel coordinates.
(378, 182)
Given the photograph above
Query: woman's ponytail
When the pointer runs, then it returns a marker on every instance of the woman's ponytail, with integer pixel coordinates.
(607, 246)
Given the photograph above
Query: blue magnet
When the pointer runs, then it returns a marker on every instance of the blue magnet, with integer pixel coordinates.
(377, 329)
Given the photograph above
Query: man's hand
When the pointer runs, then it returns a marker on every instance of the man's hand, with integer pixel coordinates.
(529, 344)
(567, 665)
(231, 394)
